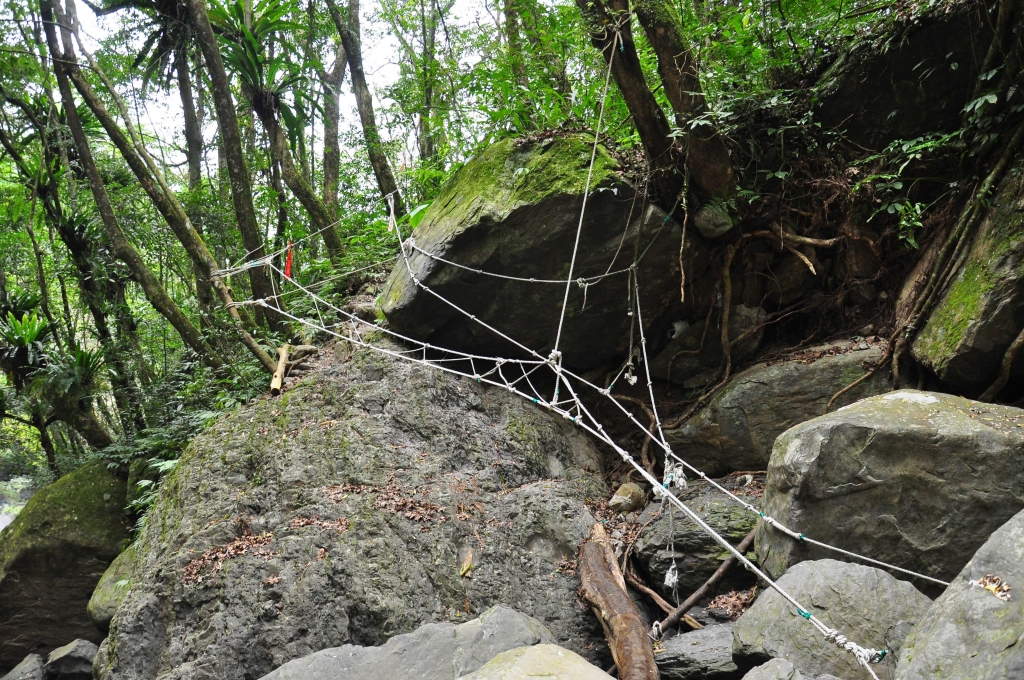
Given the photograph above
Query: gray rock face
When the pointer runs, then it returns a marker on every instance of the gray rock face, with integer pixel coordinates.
(704, 654)
(982, 311)
(696, 554)
(372, 497)
(434, 651)
(737, 429)
(915, 479)
(694, 364)
(514, 210)
(875, 95)
(540, 661)
(780, 669)
(51, 557)
(30, 668)
(867, 605)
(969, 633)
(73, 661)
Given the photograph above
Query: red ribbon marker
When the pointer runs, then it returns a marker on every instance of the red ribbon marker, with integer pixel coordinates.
(288, 262)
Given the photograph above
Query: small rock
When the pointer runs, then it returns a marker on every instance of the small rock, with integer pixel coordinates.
(547, 661)
(696, 555)
(30, 668)
(73, 661)
(863, 603)
(112, 589)
(704, 654)
(629, 497)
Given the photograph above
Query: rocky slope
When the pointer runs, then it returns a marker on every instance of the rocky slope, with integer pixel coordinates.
(370, 498)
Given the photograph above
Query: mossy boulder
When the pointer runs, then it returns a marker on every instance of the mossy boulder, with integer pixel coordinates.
(982, 311)
(52, 556)
(514, 210)
(112, 589)
(915, 479)
(671, 537)
(737, 429)
(372, 497)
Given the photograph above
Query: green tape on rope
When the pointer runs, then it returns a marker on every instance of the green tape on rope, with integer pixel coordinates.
(801, 612)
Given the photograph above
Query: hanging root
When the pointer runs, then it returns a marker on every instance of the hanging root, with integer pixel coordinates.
(1004, 369)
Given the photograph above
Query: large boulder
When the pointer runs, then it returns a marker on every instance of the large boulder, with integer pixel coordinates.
(737, 429)
(514, 210)
(915, 479)
(877, 92)
(670, 536)
(540, 661)
(704, 654)
(865, 604)
(982, 311)
(971, 632)
(51, 557)
(372, 497)
(434, 651)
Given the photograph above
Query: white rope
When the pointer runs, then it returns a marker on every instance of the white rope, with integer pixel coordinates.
(586, 194)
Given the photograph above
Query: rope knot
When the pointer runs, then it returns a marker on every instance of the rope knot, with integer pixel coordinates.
(555, 357)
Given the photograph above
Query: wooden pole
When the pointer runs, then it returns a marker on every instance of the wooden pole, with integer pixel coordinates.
(282, 364)
(679, 612)
(605, 591)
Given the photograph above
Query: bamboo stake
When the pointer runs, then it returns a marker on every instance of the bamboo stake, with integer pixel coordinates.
(282, 365)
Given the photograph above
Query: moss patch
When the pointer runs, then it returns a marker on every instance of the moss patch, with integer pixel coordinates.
(84, 508)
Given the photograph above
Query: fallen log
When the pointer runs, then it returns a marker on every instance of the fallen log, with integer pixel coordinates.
(282, 365)
(679, 612)
(605, 591)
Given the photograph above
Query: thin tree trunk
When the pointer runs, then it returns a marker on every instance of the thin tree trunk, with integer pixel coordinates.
(610, 33)
(47, 444)
(241, 189)
(707, 156)
(194, 156)
(279, 151)
(332, 113)
(349, 32)
(120, 245)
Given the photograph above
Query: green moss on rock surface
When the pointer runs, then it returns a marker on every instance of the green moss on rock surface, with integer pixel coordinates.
(51, 557)
(967, 333)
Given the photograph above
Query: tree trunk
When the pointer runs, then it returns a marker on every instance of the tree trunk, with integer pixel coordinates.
(605, 592)
(241, 189)
(120, 245)
(44, 440)
(349, 32)
(516, 58)
(194, 156)
(332, 114)
(279, 151)
(602, 20)
(707, 157)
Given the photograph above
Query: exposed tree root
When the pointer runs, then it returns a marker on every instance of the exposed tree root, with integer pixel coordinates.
(1004, 369)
